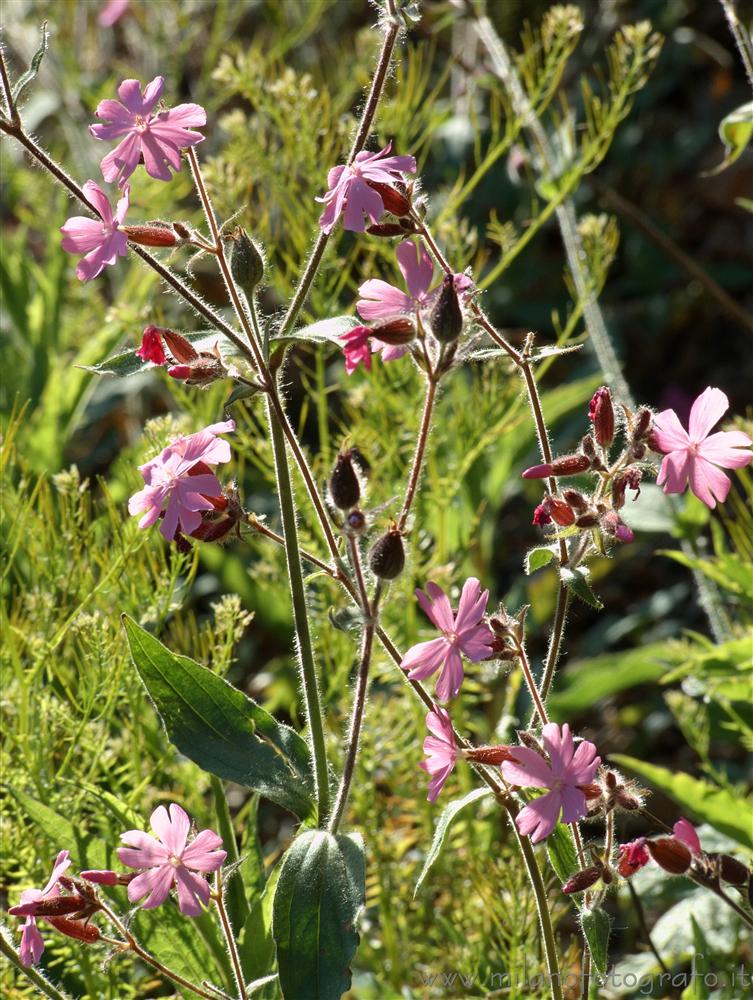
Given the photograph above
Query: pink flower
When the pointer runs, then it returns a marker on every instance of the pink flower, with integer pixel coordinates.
(111, 12)
(356, 348)
(566, 771)
(464, 633)
(685, 831)
(32, 943)
(441, 751)
(696, 455)
(633, 857)
(170, 859)
(101, 241)
(158, 137)
(350, 195)
(151, 347)
(380, 300)
(179, 481)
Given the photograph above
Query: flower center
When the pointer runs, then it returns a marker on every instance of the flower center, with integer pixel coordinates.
(140, 123)
(453, 638)
(175, 861)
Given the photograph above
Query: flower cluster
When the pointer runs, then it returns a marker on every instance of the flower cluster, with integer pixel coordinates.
(147, 134)
(165, 859)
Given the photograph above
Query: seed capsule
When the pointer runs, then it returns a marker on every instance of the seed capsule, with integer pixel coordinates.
(447, 316)
(344, 484)
(246, 261)
(601, 415)
(670, 854)
(387, 556)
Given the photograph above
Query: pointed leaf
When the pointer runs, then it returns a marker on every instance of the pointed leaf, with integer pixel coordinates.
(596, 926)
(36, 61)
(220, 728)
(538, 557)
(440, 833)
(576, 581)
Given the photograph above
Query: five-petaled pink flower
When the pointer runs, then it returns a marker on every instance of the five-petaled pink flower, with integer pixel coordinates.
(380, 300)
(171, 859)
(464, 632)
(696, 455)
(350, 195)
(179, 477)
(101, 240)
(158, 137)
(441, 751)
(356, 348)
(567, 769)
(32, 943)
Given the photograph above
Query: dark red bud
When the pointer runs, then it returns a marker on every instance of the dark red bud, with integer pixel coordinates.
(562, 513)
(670, 854)
(344, 484)
(447, 316)
(181, 349)
(732, 870)
(77, 929)
(355, 522)
(584, 879)
(626, 801)
(489, 755)
(642, 422)
(387, 555)
(395, 332)
(587, 521)
(386, 230)
(203, 371)
(570, 465)
(587, 446)
(182, 231)
(395, 202)
(601, 415)
(576, 500)
(154, 235)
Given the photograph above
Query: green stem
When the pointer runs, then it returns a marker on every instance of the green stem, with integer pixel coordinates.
(230, 939)
(41, 982)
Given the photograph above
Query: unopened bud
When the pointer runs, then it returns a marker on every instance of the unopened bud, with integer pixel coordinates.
(151, 348)
(78, 929)
(246, 261)
(670, 854)
(344, 484)
(355, 522)
(488, 755)
(601, 415)
(587, 445)
(395, 202)
(591, 791)
(586, 521)
(613, 526)
(395, 332)
(387, 555)
(562, 513)
(633, 857)
(576, 500)
(447, 316)
(203, 371)
(181, 349)
(386, 230)
(155, 234)
(642, 422)
(583, 880)
(732, 870)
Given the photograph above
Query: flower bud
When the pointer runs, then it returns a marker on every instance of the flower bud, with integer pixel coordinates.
(181, 349)
(344, 484)
(633, 857)
(613, 526)
(386, 230)
(387, 556)
(732, 870)
(203, 371)
(488, 755)
(78, 929)
(583, 880)
(355, 522)
(447, 316)
(395, 201)
(586, 521)
(154, 234)
(395, 332)
(642, 422)
(568, 465)
(576, 500)
(601, 415)
(246, 261)
(670, 854)
(587, 446)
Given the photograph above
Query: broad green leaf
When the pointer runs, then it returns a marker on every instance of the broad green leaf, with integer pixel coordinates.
(36, 61)
(720, 808)
(443, 825)
(319, 895)
(326, 331)
(576, 581)
(596, 925)
(538, 557)
(256, 945)
(587, 682)
(129, 363)
(561, 851)
(221, 729)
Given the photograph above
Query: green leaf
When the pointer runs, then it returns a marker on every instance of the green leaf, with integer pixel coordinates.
(256, 945)
(129, 363)
(241, 391)
(319, 895)
(36, 61)
(596, 926)
(576, 581)
(87, 851)
(735, 131)
(326, 331)
(717, 806)
(538, 557)
(221, 729)
(561, 851)
(440, 833)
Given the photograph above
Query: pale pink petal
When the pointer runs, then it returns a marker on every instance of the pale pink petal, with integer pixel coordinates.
(156, 882)
(573, 804)
(416, 265)
(381, 300)
(476, 643)
(204, 853)
(182, 119)
(424, 658)
(558, 743)
(669, 433)
(584, 764)
(112, 12)
(99, 200)
(538, 818)
(152, 94)
(172, 829)
(685, 831)
(730, 449)
(142, 850)
(708, 482)
(32, 943)
(154, 160)
(437, 608)
(172, 518)
(81, 233)
(472, 605)
(121, 162)
(221, 427)
(129, 93)
(674, 472)
(193, 892)
(361, 201)
(437, 781)
(451, 677)
(390, 352)
(707, 411)
(528, 769)
(62, 864)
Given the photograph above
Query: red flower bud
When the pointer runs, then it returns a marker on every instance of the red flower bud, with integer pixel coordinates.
(670, 854)
(570, 465)
(77, 929)
(633, 857)
(155, 234)
(583, 880)
(395, 332)
(488, 755)
(386, 230)
(395, 202)
(601, 415)
(181, 349)
(151, 346)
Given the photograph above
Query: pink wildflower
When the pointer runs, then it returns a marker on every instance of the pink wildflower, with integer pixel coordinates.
(349, 193)
(169, 859)
(567, 770)
(356, 348)
(696, 455)
(633, 857)
(112, 12)
(179, 481)
(465, 632)
(158, 137)
(441, 751)
(32, 943)
(101, 241)
(151, 347)
(380, 300)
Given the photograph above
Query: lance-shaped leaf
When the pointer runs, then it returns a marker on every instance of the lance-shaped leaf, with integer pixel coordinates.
(442, 828)
(596, 926)
(319, 894)
(326, 331)
(220, 728)
(36, 61)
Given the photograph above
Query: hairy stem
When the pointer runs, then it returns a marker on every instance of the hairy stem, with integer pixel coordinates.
(227, 932)
(39, 981)
(418, 455)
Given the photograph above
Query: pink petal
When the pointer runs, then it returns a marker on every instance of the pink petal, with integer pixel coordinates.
(437, 608)
(437, 781)
(182, 119)
(416, 265)
(152, 94)
(171, 829)
(573, 804)
(154, 158)
(62, 864)
(81, 234)
(99, 200)
(674, 472)
(156, 882)
(685, 831)
(707, 411)
(584, 764)
(361, 201)
(172, 519)
(451, 677)
(558, 743)
(727, 448)
(129, 93)
(472, 605)
(528, 769)
(476, 643)
(708, 483)
(193, 891)
(539, 818)
(381, 300)
(121, 162)
(669, 433)
(424, 658)
(439, 723)
(112, 12)
(390, 352)
(142, 850)
(32, 943)
(204, 853)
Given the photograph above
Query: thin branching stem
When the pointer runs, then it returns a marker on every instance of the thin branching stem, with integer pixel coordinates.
(218, 897)
(419, 453)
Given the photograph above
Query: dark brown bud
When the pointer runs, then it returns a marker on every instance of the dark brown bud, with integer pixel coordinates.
(204, 370)
(642, 422)
(587, 446)
(570, 465)
(488, 755)
(670, 854)
(638, 451)
(447, 316)
(344, 484)
(624, 800)
(395, 332)
(78, 929)
(246, 261)
(584, 879)
(576, 500)
(355, 522)
(618, 491)
(387, 555)
(587, 521)
(153, 234)
(182, 231)
(386, 230)
(732, 870)
(395, 201)
(601, 415)
(529, 740)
